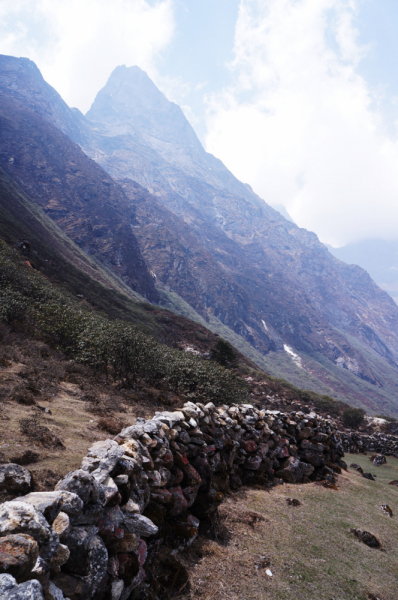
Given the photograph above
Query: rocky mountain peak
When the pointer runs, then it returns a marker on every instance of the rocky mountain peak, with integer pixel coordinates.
(132, 103)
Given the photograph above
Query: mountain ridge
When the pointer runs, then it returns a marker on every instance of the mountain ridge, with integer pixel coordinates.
(268, 281)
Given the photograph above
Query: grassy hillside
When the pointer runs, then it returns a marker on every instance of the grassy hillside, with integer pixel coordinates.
(308, 548)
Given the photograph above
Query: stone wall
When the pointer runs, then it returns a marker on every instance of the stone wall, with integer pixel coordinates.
(381, 443)
(157, 485)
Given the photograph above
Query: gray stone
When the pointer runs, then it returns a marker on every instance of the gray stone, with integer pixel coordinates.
(81, 483)
(10, 590)
(102, 458)
(54, 593)
(50, 504)
(138, 524)
(15, 479)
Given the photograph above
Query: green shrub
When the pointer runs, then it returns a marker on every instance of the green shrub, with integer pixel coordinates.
(353, 417)
(113, 347)
(223, 353)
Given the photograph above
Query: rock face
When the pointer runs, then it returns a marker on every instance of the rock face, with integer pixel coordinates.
(285, 287)
(56, 174)
(204, 234)
(170, 474)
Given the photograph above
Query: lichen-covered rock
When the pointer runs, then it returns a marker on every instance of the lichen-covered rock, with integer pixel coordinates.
(20, 517)
(140, 525)
(82, 484)
(10, 590)
(101, 459)
(14, 479)
(50, 504)
(18, 554)
(294, 470)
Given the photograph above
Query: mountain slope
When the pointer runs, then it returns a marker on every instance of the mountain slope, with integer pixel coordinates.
(211, 240)
(378, 257)
(72, 189)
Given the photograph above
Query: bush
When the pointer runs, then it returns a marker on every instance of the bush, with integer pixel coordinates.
(223, 353)
(112, 347)
(353, 417)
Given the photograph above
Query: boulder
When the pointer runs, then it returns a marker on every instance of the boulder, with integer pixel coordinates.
(10, 590)
(102, 458)
(81, 483)
(140, 525)
(50, 504)
(54, 593)
(366, 538)
(18, 554)
(294, 470)
(378, 460)
(14, 479)
(20, 517)
(61, 526)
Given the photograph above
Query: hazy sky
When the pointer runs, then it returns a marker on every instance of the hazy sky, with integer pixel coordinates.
(299, 98)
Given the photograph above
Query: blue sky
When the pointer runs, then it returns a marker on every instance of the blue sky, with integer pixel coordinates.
(299, 98)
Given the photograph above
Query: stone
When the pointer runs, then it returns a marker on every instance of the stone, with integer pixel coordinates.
(378, 460)
(131, 507)
(20, 517)
(18, 554)
(117, 588)
(50, 504)
(140, 525)
(180, 502)
(101, 459)
(386, 510)
(293, 502)
(368, 476)
(365, 537)
(294, 470)
(14, 479)
(129, 543)
(10, 590)
(60, 557)
(82, 484)
(54, 593)
(356, 467)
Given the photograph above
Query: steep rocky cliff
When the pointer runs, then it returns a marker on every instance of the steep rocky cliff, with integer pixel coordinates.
(294, 292)
(206, 236)
(70, 187)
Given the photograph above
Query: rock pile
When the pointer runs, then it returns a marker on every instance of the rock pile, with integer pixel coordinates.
(157, 483)
(381, 443)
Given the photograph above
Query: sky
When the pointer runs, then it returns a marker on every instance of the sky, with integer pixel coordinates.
(299, 98)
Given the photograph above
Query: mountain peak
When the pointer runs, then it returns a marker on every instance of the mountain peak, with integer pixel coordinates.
(130, 103)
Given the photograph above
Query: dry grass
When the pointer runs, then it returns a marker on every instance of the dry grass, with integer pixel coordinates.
(308, 548)
(79, 403)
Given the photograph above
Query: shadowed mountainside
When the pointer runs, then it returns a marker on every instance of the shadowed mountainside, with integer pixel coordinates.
(206, 236)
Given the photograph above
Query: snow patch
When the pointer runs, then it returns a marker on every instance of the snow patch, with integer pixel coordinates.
(295, 357)
(264, 325)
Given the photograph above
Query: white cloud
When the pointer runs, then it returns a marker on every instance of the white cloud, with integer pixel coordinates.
(299, 124)
(77, 43)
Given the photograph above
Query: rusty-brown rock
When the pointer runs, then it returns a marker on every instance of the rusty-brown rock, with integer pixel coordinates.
(18, 554)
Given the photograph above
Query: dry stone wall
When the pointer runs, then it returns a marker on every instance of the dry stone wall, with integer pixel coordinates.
(380, 443)
(156, 485)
